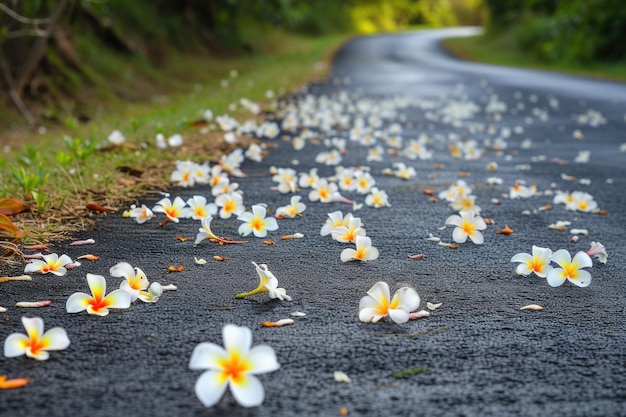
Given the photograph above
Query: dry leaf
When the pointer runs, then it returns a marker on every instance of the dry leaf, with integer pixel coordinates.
(506, 231)
(268, 242)
(89, 257)
(97, 208)
(220, 258)
(18, 278)
(9, 206)
(172, 268)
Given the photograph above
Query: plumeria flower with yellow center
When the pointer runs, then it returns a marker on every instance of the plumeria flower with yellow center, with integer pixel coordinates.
(306, 180)
(375, 154)
(135, 281)
(570, 269)
(200, 173)
(345, 179)
(183, 175)
(348, 234)
(467, 225)
(378, 304)
(268, 283)
(226, 188)
(173, 210)
(256, 222)
(217, 176)
(465, 203)
(97, 303)
(286, 179)
(205, 231)
(563, 197)
(230, 203)
(140, 214)
(582, 202)
(235, 366)
(364, 251)
(294, 208)
(598, 250)
(335, 219)
(200, 208)
(377, 198)
(231, 163)
(519, 190)
(35, 343)
(364, 182)
(538, 262)
(323, 191)
(51, 263)
(404, 172)
(254, 153)
(456, 189)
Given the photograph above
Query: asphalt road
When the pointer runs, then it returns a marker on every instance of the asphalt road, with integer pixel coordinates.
(484, 357)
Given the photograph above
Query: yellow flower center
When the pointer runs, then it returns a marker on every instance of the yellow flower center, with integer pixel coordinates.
(234, 368)
(257, 224)
(468, 227)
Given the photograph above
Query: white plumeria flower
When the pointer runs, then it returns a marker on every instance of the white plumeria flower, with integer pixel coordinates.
(224, 188)
(230, 203)
(520, 190)
(35, 343)
(217, 176)
(377, 198)
(294, 208)
(200, 208)
(183, 175)
(323, 191)
(538, 262)
(268, 283)
(375, 154)
(467, 225)
(598, 250)
(175, 140)
(141, 214)
(97, 303)
(200, 173)
(581, 201)
(306, 180)
(335, 219)
(286, 179)
(378, 304)
(51, 263)
(349, 233)
(256, 222)
(234, 365)
(457, 188)
(404, 172)
(345, 179)
(172, 210)
(465, 203)
(364, 182)
(205, 231)
(570, 269)
(159, 141)
(364, 251)
(135, 281)
(116, 137)
(254, 153)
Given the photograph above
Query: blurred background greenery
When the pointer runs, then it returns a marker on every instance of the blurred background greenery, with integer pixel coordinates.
(55, 52)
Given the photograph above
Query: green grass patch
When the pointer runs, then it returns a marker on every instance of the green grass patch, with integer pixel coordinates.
(71, 164)
(502, 50)
(406, 373)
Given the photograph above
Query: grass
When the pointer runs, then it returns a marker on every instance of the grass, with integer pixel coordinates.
(77, 162)
(501, 50)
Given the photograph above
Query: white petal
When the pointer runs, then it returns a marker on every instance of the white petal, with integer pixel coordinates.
(399, 315)
(15, 345)
(262, 359)
(122, 269)
(477, 237)
(561, 257)
(582, 260)
(458, 235)
(118, 299)
(348, 255)
(454, 220)
(210, 387)
(56, 339)
(237, 339)
(408, 298)
(207, 356)
(371, 254)
(77, 302)
(522, 257)
(380, 293)
(249, 391)
(555, 277)
(524, 269)
(368, 314)
(271, 224)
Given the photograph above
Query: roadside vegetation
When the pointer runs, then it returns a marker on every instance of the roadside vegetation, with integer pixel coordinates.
(574, 36)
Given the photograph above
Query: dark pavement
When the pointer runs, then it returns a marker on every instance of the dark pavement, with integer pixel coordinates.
(484, 356)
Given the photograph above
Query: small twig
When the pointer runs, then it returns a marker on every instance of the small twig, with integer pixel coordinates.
(21, 18)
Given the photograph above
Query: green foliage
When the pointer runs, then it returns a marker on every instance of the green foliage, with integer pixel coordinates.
(30, 179)
(570, 32)
(80, 149)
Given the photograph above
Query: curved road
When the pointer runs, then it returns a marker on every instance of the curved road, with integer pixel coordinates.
(477, 355)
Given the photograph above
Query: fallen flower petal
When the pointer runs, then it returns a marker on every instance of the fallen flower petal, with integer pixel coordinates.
(269, 242)
(89, 257)
(449, 245)
(534, 307)
(598, 250)
(169, 287)
(418, 256)
(178, 268)
(3, 309)
(97, 303)
(341, 377)
(83, 242)
(18, 278)
(432, 306)
(12, 383)
(298, 314)
(220, 258)
(419, 315)
(506, 231)
(583, 232)
(294, 236)
(432, 238)
(29, 304)
(33, 256)
(200, 261)
(279, 323)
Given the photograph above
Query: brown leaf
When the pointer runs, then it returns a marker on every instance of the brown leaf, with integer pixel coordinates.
(9, 206)
(89, 257)
(220, 258)
(7, 225)
(173, 268)
(95, 207)
(506, 231)
(130, 171)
